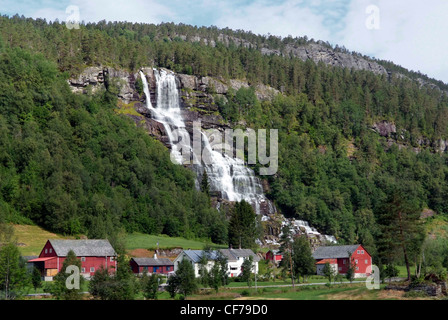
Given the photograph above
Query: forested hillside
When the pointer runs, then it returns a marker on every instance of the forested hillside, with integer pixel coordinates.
(334, 169)
(70, 164)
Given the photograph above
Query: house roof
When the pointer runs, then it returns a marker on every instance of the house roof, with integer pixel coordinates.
(334, 252)
(230, 254)
(234, 254)
(330, 261)
(41, 259)
(153, 262)
(83, 248)
(196, 255)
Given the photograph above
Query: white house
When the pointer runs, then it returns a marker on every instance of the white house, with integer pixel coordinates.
(235, 258)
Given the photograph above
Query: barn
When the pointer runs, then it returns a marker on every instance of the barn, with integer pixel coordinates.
(152, 265)
(338, 258)
(93, 254)
(274, 256)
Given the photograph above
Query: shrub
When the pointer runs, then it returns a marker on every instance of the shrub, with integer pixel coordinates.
(245, 293)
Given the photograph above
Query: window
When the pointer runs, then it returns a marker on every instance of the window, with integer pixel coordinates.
(344, 261)
(51, 250)
(356, 261)
(83, 259)
(154, 269)
(359, 252)
(111, 259)
(83, 270)
(167, 268)
(145, 269)
(46, 250)
(340, 268)
(92, 269)
(367, 261)
(357, 268)
(362, 251)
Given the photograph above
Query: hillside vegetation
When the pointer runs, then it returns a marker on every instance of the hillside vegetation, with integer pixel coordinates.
(71, 164)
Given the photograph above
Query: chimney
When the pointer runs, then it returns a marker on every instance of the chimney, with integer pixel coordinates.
(155, 255)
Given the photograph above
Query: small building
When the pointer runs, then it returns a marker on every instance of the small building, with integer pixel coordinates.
(194, 257)
(274, 256)
(338, 258)
(93, 254)
(321, 264)
(235, 259)
(152, 265)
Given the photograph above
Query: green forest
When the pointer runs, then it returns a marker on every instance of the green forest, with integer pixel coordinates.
(70, 164)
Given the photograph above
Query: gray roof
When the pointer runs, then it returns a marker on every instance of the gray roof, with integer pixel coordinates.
(83, 248)
(230, 254)
(153, 262)
(196, 255)
(234, 254)
(334, 252)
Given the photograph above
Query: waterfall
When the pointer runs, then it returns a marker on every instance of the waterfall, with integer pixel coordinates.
(227, 175)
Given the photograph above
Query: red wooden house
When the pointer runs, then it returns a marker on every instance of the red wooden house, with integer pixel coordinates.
(338, 258)
(151, 265)
(274, 256)
(92, 253)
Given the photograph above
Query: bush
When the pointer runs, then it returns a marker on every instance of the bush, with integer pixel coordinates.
(245, 293)
(415, 294)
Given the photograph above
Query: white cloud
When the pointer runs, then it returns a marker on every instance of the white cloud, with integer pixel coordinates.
(287, 18)
(149, 11)
(411, 35)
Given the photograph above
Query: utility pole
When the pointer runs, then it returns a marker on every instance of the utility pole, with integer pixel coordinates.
(290, 262)
(255, 270)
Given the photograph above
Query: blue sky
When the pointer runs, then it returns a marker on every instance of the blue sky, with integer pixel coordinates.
(410, 33)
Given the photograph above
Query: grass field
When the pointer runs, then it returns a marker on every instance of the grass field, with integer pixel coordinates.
(333, 292)
(31, 239)
(140, 240)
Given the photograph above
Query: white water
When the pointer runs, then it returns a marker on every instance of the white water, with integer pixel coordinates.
(227, 175)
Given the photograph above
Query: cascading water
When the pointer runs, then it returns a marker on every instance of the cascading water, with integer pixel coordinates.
(227, 175)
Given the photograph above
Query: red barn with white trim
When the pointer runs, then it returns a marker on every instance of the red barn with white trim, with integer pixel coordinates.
(338, 257)
(93, 254)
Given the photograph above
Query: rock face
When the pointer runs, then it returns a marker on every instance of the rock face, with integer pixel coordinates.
(318, 52)
(97, 77)
(90, 76)
(385, 128)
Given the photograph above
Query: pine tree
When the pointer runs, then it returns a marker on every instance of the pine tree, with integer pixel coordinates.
(401, 229)
(247, 266)
(13, 275)
(205, 185)
(242, 226)
(184, 281)
(304, 263)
